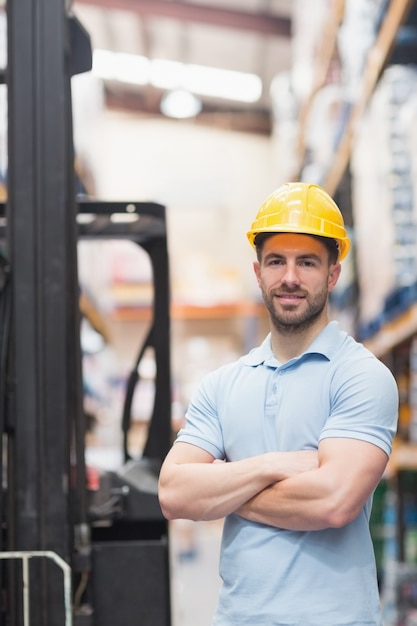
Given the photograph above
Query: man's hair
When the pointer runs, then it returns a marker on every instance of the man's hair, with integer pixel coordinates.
(330, 244)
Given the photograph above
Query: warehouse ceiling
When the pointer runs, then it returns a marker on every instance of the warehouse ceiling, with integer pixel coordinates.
(250, 36)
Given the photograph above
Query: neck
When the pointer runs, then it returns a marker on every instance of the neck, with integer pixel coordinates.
(290, 343)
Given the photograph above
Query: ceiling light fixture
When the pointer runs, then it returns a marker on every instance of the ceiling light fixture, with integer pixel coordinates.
(126, 68)
(180, 104)
(196, 79)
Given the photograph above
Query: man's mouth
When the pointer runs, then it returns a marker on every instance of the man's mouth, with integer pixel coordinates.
(289, 300)
(290, 296)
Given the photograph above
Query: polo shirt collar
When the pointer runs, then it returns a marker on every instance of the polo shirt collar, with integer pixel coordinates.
(326, 343)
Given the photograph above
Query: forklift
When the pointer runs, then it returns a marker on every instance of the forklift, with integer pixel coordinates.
(69, 555)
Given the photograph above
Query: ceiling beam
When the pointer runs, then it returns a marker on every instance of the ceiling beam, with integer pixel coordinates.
(264, 23)
(256, 121)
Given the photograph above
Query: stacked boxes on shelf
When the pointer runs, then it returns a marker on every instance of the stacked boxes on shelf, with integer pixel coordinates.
(402, 102)
(412, 392)
(383, 167)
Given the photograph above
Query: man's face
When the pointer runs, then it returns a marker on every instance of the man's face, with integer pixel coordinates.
(295, 279)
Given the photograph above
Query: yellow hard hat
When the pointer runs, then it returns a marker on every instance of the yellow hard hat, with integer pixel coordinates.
(301, 208)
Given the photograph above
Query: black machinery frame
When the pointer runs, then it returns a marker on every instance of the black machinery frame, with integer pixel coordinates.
(45, 504)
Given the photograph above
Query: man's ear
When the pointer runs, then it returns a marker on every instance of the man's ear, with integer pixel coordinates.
(257, 270)
(334, 275)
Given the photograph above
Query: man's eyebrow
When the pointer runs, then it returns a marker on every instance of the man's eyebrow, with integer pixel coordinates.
(309, 255)
(273, 255)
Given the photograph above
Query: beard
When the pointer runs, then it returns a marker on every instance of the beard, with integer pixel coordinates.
(286, 320)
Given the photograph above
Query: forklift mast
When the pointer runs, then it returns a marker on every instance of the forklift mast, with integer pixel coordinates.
(68, 557)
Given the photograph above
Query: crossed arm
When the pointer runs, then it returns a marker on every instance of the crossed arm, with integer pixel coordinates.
(303, 490)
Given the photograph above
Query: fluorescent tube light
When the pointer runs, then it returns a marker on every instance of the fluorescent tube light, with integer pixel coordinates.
(219, 83)
(197, 79)
(126, 68)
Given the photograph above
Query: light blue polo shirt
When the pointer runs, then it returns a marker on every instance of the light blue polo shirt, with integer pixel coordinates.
(337, 388)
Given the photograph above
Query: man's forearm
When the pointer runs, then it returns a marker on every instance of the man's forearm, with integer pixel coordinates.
(207, 491)
(297, 503)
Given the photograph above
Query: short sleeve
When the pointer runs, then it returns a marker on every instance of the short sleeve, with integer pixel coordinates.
(365, 403)
(202, 427)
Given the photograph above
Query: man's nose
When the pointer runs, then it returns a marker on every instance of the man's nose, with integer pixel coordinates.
(291, 276)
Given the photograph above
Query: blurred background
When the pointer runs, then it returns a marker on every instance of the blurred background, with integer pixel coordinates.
(205, 108)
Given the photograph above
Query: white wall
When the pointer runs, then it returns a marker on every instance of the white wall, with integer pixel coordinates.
(211, 181)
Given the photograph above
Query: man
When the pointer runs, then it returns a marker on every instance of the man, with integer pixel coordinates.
(289, 442)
